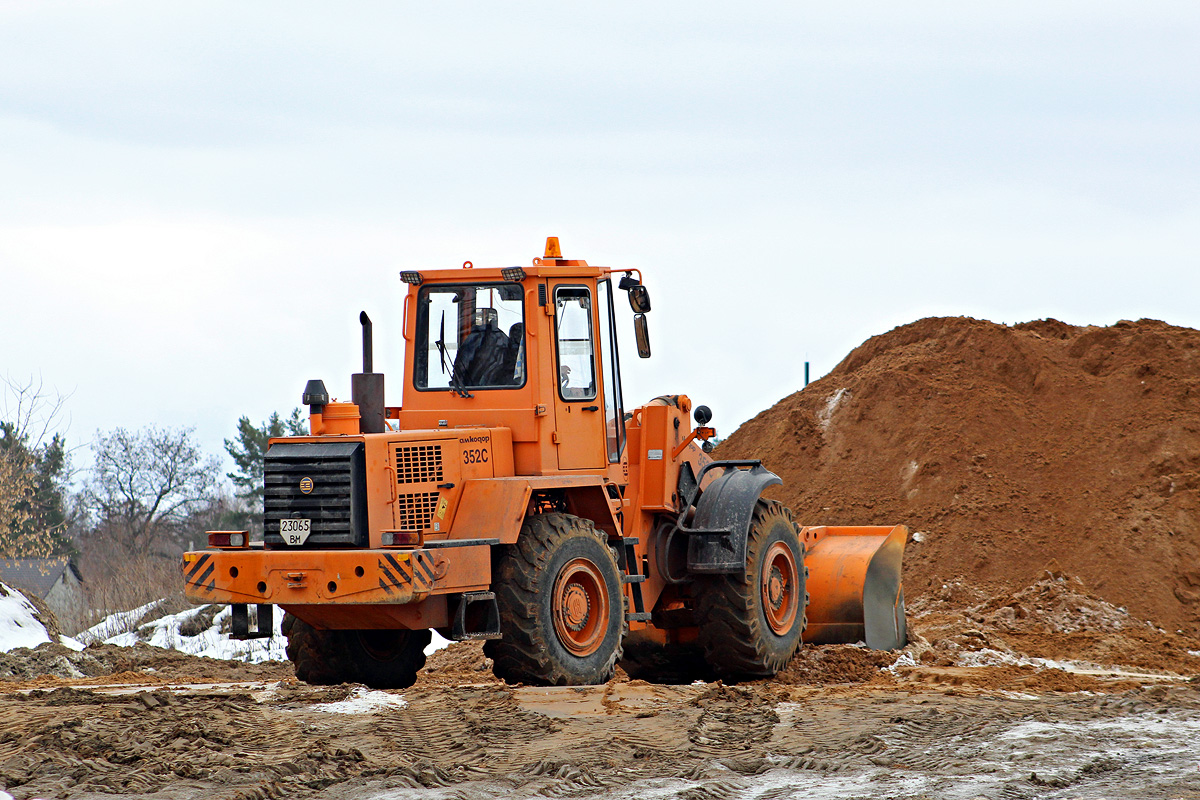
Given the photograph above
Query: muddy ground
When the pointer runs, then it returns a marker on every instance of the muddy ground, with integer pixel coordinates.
(279, 739)
(1045, 693)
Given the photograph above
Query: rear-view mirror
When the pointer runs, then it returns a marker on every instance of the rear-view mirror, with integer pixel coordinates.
(641, 333)
(639, 299)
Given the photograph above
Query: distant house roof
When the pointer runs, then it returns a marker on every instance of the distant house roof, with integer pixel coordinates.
(36, 574)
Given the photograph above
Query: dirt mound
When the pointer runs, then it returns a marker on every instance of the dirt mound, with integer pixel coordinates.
(48, 658)
(460, 663)
(1054, 619)
(141, 663)
(1002, 447)
(1057, 603)
(820, 665)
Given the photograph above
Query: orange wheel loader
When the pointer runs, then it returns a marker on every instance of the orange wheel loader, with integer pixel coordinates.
(512, 498)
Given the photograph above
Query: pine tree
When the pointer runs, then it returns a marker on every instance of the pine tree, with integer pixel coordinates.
(34, 472)
(249, 449)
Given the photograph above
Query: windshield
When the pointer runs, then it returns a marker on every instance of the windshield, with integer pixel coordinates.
(470, 337)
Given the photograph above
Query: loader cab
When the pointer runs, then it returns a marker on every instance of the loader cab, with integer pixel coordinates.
(533, 349)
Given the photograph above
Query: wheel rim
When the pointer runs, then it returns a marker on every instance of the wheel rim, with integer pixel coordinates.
(780, 584)
(580, 607)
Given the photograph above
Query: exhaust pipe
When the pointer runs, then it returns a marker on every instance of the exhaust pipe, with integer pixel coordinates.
(368, 355)
(366, 387)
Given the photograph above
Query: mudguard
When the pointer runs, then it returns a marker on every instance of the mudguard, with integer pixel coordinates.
(718, 530)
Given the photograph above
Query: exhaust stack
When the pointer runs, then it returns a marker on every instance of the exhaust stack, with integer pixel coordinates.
(366, 387)
(368, 355)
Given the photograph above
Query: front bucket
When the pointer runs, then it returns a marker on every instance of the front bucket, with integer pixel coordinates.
(855, 593)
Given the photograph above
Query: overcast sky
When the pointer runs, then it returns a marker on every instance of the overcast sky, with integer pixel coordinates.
(197, 199)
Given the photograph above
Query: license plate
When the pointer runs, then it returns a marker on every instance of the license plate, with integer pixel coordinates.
(295, 531)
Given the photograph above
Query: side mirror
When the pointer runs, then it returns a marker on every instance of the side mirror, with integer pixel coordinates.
(641, 333)
(639, 299)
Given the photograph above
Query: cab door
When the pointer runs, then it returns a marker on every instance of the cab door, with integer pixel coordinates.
(579, 419)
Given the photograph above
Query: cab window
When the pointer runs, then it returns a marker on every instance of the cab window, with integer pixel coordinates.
(470, 337)
(610, 368)
(576, 343)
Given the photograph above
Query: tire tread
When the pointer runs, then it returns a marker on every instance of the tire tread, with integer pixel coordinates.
(732, 632)
(523, 655)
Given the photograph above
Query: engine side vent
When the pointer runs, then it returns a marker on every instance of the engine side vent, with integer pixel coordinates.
(420, 463)
(414, 512)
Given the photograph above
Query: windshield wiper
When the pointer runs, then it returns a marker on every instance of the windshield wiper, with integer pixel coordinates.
(455, 382)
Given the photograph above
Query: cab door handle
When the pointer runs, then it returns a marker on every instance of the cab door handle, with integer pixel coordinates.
(590, 408)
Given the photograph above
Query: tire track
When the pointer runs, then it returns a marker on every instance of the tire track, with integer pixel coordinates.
(619, 741)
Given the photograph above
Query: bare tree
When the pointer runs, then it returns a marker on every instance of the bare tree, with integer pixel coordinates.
(145, 486)
(34, 470)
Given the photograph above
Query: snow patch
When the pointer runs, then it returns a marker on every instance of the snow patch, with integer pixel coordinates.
(120, 622)
(437, 643)
(994, 658)
(19, 625)
(986, 657)
(1141, 726)
(905, 660)
(363, 701)
(825, 415)
(211, 642)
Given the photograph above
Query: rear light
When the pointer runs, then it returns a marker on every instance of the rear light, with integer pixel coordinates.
(400, 538)
(228, 539)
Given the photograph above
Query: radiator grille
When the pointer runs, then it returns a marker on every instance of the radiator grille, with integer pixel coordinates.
(419, 463)
(414, 512)
(321, 482)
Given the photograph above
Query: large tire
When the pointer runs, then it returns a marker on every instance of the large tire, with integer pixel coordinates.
(647, 660)
(562, 608)
(381, 659)
(387, 659)
(750, 623)
(314, 653)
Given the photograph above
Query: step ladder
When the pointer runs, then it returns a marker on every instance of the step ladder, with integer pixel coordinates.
(632, 575)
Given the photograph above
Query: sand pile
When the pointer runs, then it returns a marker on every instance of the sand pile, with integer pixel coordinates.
(1005, 447)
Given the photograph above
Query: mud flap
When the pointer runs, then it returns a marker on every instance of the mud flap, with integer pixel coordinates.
(855, 587)
(717, 534)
